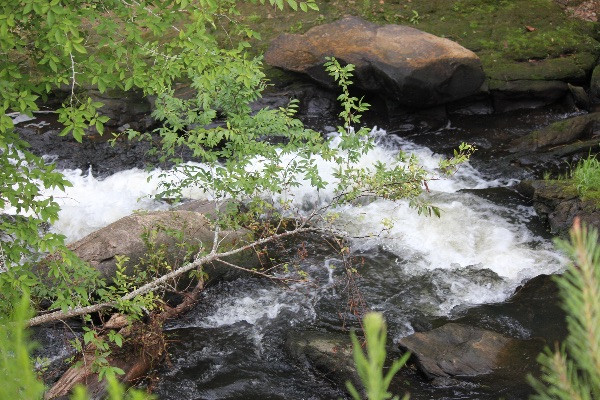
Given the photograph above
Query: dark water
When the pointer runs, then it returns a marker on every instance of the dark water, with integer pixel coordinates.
(232, 345)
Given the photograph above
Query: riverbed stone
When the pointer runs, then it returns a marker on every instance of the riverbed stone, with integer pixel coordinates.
(595, 85)
(579, 128)
(410, 66)
(457, 350)
(125, 237)
(524, 93)
(580, 97)
(533, 311)
(329, 354)
(130, 108)
(559, 202)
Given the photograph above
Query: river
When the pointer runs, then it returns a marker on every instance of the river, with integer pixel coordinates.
(486, 243)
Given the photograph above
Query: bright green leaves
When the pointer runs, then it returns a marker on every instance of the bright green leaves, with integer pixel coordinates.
(293, 4)
(27, 213)
(370, 365)
(586, 177)
(461, 155)
(18, 379)
(353, 107)
(77, 119)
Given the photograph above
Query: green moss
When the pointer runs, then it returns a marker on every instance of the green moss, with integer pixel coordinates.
(558, 48)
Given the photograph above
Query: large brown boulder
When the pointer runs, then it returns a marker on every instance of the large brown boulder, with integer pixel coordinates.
(413, 67)
(125, 237)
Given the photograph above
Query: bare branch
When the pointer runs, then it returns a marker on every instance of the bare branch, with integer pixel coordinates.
(260, 273)
(212, 256)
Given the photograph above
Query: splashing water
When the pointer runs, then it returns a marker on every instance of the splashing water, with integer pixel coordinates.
(471, 231)
(230, 347)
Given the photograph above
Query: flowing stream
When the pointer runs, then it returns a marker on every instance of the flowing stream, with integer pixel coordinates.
(487, 242)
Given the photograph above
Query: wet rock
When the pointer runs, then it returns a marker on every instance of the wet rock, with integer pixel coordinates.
(480, 104)
(559, 202)
(457, 350)
(533, 311)
(330, 354)
(124, 108)
(580, 97)
(94, 152)
(420, 120)
(579, 128)
(518, 94)
(125, 237)
(595, 85)
(53, 348)
(410, 66)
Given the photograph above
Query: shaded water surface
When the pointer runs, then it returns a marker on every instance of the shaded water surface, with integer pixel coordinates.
(487, 242)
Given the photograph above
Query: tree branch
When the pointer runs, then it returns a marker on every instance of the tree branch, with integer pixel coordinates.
(212, 256)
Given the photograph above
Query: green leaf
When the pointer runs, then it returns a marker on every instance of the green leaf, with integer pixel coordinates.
(99, 127)
(293, 4)
(78, 47)
(50, 18)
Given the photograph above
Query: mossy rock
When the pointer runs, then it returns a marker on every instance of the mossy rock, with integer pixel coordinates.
(571, 68)
(512, 95)
(595, 85)
(579, 128)
(515, 39)
(559, 202)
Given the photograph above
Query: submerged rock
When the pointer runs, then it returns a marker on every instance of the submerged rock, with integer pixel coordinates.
(457, 350)
(412, 67)
(533, 311)
(328, 353)
(519, 94)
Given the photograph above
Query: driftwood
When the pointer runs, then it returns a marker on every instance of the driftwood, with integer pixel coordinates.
(143, 348)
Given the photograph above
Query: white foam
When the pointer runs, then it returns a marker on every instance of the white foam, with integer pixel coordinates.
(470, 232)
(94, 203)
(256, 307)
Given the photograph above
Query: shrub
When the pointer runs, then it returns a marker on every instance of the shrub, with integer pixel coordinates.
(586, 176)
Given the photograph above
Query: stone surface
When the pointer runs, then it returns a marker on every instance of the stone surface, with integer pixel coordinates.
(457, 350)
(595, 85)
(124, 237)
(328, 353)
(557, 200)
(579, 128)
(533, 311)
(413, 67)
(519, 94)
(580, 97)
(124, 108)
